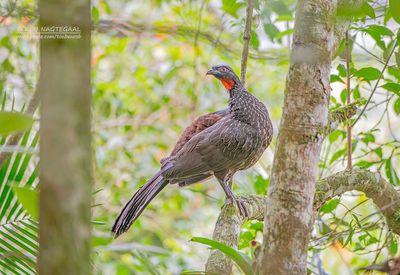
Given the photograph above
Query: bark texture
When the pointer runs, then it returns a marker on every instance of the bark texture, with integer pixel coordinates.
(227, 231)
(289, 219)
(65, 141)
(384, 195)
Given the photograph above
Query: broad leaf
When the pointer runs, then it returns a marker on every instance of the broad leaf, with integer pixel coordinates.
(394, 6)
(368, 73)
(329, 206)
(238, 257)
(392, 87)
(29, 199)
(11, 122)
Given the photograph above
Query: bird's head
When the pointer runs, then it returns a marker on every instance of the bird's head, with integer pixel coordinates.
(226, 75)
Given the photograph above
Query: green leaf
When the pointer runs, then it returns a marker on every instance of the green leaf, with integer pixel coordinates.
(279, 7)
(368, 73)
(350, 236)
(343, 95)
(392, 87)
(231, 7)
(238, 257)
(367, 138)
(329, 206)
(261, 185)
(271, 30)
(393, 247)
(364, 164)
(11, 122)
(95, 14)
(284, 33)
(336, 78)
(378, 152)
(390, 172)
(194, 272)
(394, 6)
(396, 106)
(342, 70)
(368, 10)
(356, 93)
(395, 72)
(397, 56)
(334, 135)
(337, 155)
(29, 199)
(254, 42)
(379, 29)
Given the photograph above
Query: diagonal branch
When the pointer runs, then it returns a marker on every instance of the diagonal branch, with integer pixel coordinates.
(227, 231)
(375, 187)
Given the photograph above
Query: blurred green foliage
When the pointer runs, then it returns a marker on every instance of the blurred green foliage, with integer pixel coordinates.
(149, 60)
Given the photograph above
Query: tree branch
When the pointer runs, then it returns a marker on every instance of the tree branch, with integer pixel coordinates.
(227, 231)
(340, 115)
(375, 187)
(246, 40)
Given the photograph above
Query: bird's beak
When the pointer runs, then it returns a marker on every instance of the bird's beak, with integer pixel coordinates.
(210, 72)
(215, 73)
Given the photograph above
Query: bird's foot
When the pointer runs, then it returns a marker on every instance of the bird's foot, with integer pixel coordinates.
(240, 205)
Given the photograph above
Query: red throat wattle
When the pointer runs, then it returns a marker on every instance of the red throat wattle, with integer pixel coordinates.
(228, 83)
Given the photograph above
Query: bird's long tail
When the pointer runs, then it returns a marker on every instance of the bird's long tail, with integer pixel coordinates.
(138, 203)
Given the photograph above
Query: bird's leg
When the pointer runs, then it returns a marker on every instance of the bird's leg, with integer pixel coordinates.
(225, 184)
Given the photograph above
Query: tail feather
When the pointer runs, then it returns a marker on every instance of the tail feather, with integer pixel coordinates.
(138, 203)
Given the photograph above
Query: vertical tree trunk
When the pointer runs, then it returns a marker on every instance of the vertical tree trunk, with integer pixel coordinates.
(289, 215)
(65, 141)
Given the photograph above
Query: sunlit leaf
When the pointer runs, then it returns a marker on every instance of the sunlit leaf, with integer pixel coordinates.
(337, 155)
(363, 164)
(368, 10)
(271, 30)
(11, 122)
(238, 257)
(392, 87)
(390, 172)
(254, 42)
(368, 73)
(394, 6)
(393, 246)
(329, 206)
(231, 7)
(396, 106)
(29, 199)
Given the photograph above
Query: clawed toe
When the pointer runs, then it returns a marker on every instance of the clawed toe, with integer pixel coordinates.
(242, 208)
(240, 205)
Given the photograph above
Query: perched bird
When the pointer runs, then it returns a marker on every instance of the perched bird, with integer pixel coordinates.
(216, 144)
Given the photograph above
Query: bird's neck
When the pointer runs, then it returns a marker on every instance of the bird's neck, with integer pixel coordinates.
(247, 108)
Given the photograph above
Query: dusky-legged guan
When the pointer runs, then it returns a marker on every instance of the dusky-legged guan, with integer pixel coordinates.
(216, 144)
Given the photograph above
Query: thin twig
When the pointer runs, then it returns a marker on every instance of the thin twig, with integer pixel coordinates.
(246, 40)
(375, 87)
(349, 139)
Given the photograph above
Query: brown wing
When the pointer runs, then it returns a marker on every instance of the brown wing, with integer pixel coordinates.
(199, 124)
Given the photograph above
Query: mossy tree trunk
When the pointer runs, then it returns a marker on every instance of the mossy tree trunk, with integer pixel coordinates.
(289, 216)
(65, 141)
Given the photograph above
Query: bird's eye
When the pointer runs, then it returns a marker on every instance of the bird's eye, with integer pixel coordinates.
(223, 69)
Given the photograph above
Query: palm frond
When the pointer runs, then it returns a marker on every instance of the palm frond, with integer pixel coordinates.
(18, 231)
